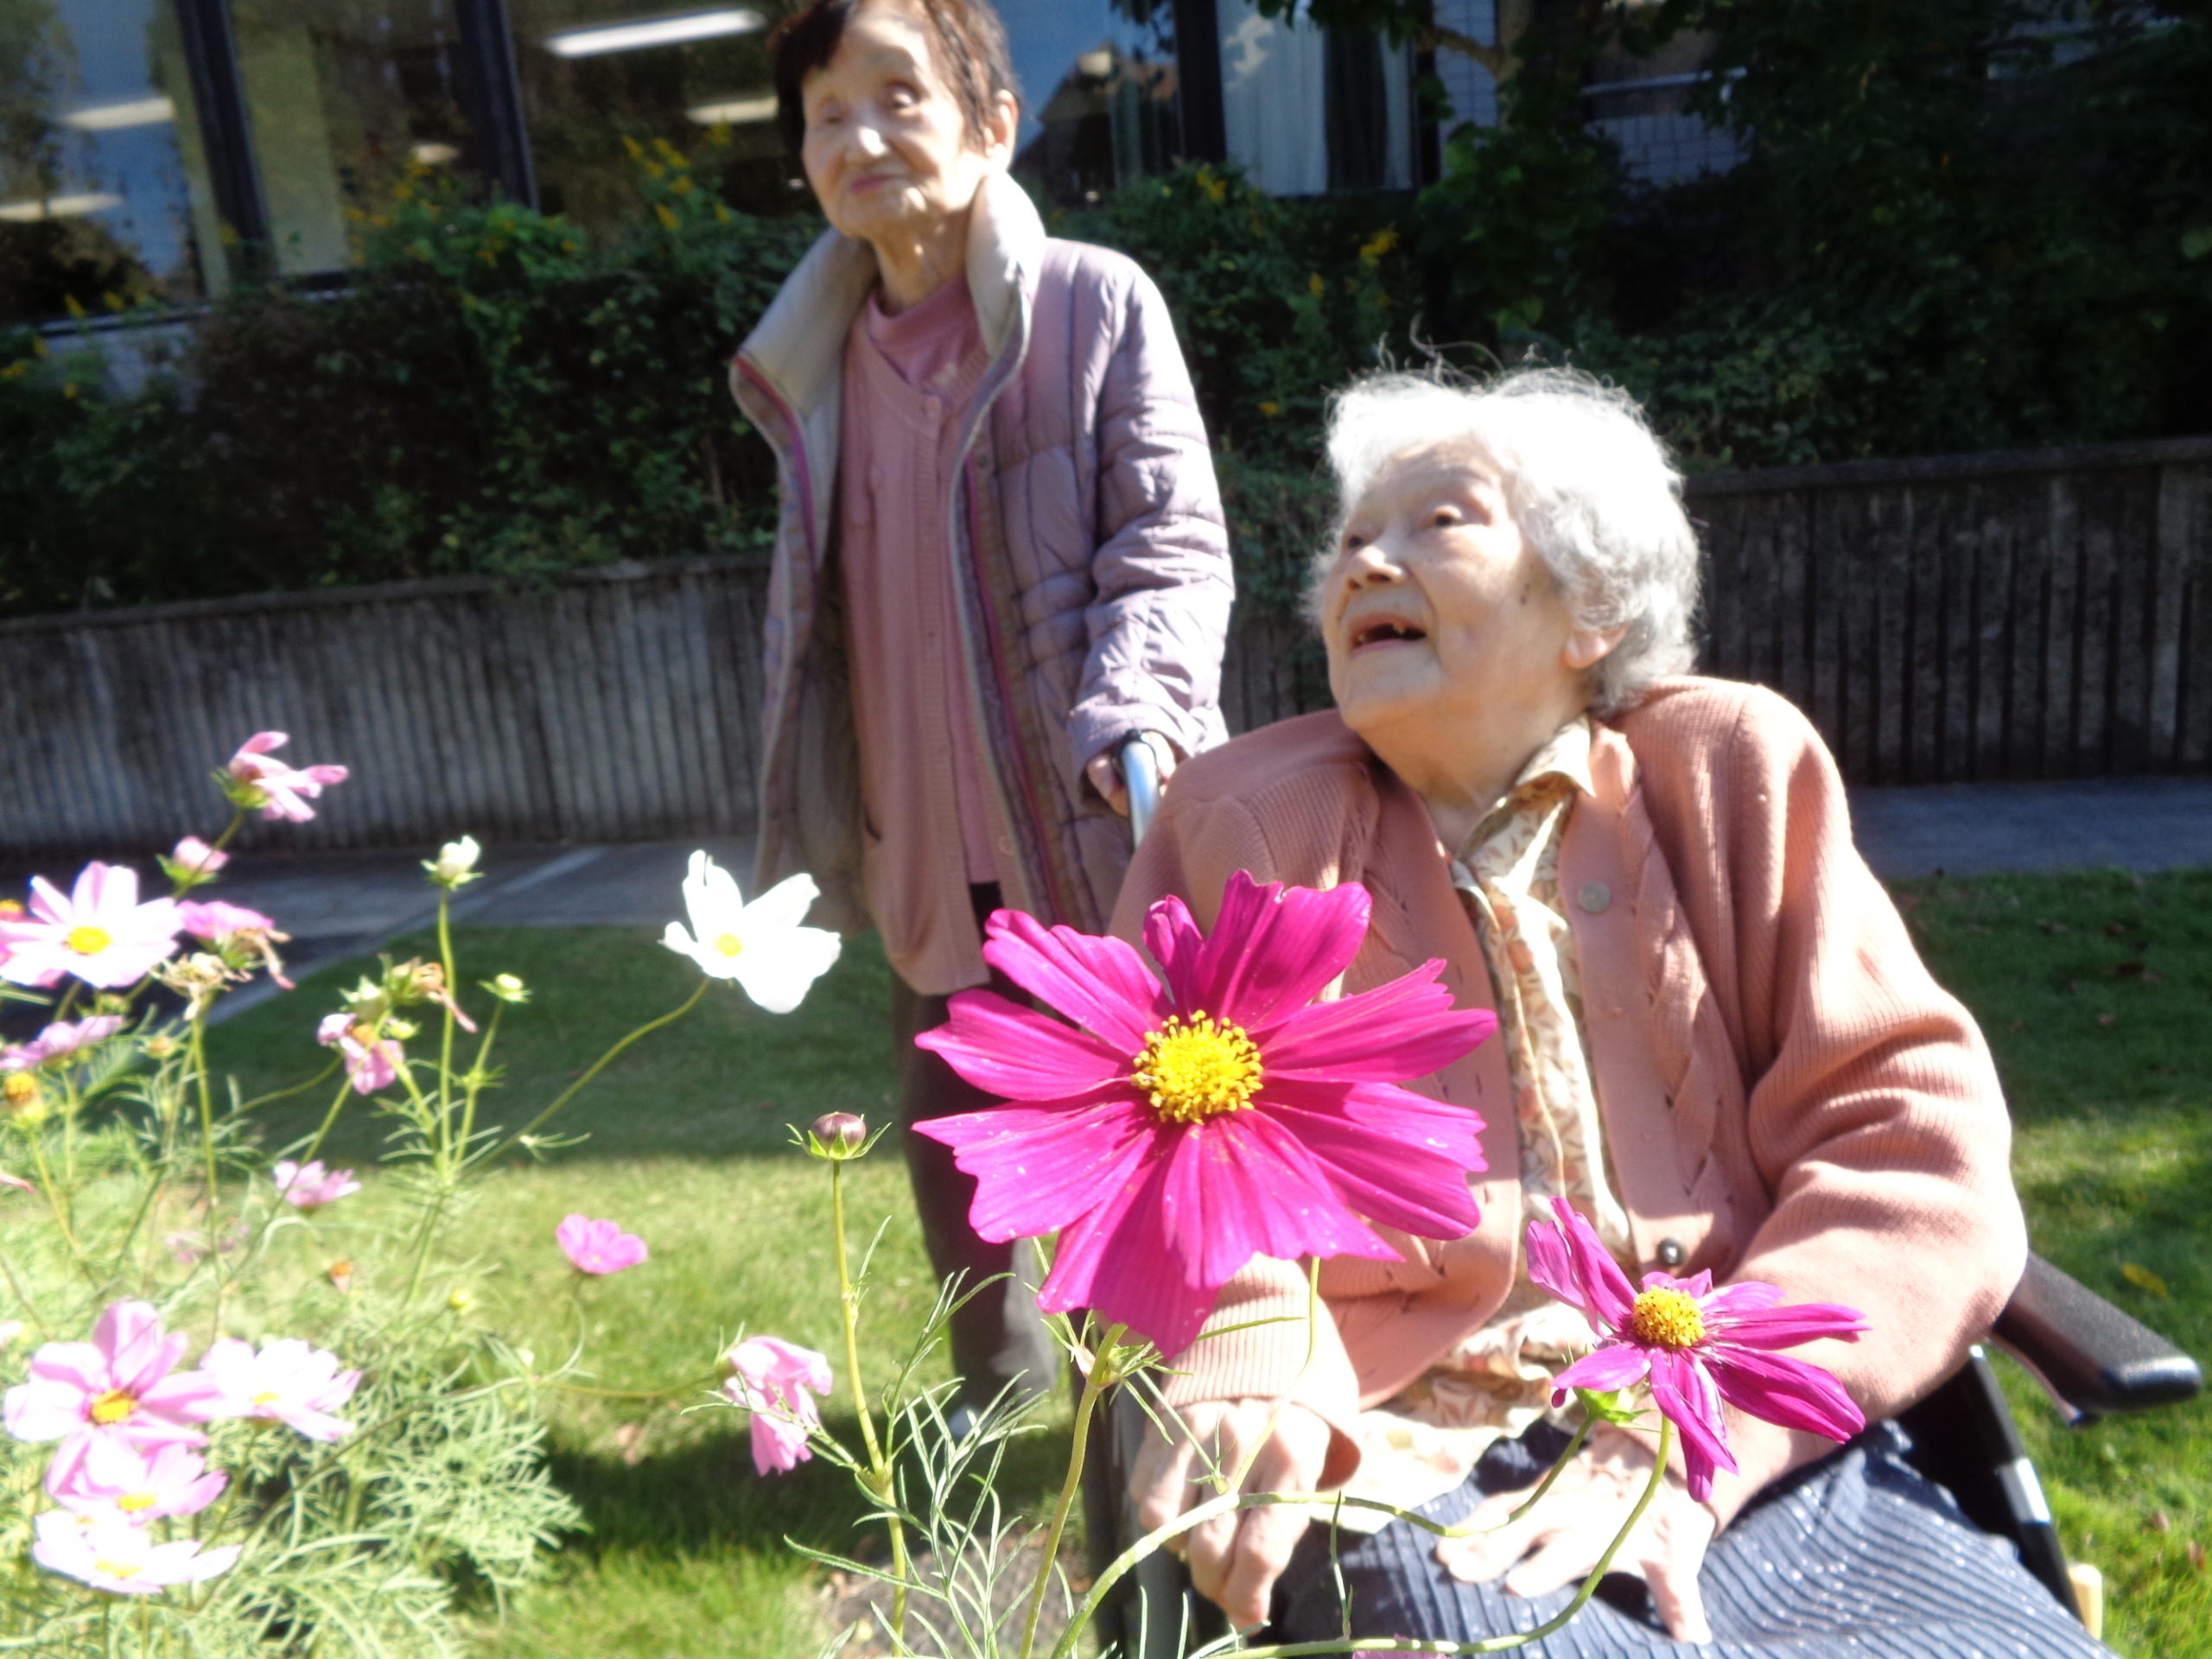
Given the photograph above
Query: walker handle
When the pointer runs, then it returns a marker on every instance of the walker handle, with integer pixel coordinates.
(1140, 770)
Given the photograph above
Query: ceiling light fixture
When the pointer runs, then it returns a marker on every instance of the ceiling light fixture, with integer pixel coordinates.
(734, 111)
(129, 112)
(30, 212)
(654, 31)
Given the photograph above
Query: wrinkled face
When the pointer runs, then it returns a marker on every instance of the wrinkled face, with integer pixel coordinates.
(887, 149)
(1435, 608)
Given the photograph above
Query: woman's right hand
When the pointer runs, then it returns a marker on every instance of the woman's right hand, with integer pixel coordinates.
(1234, 1559)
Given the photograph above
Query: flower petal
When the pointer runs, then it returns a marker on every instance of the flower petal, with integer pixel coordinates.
(1019, 1054)
(1550, 1266)
(1262, 1191)
(1408, 1028)
(1793, 1393)
(1111, 1262)
(1607, 1296)
(1100, 983)
(1614, 1366)
(1039, 1169)
(778, 969)
(1402, 1169)
(783, 905)
(1791, 1326)
(1682, 1388)
(1272, 950)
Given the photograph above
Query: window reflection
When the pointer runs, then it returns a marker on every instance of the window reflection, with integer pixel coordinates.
(103, 201)
(1274, 75)
(598, 73)
(1098, 93)
(341, 96)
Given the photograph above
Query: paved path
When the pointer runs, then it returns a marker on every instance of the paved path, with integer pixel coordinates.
(353, 904)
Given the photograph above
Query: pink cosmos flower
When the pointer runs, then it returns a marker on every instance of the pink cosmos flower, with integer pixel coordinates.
(309, 1186)
(372, 1061)
(1187, 1128)
(99, 931)
(119, 1381)
(124, 1560)
(215, 919)
(287, 1382)
(273, 787)
(771, 1378)
(597, 1247)
(58, 1039)
(1697, 1346)
(193, 856)
(104, 1478)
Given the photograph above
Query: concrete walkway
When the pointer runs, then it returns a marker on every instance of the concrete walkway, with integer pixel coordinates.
(354, 904)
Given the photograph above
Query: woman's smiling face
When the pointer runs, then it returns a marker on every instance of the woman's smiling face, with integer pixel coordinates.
(1436, 608)
(888, 147)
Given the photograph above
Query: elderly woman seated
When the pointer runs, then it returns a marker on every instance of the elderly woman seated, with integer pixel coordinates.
(1716, 1041)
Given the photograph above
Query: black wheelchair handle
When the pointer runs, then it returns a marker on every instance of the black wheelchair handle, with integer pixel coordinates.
(2092, 1358)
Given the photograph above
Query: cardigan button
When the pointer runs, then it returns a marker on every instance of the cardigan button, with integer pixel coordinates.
(1595, 897)
(1671, 1254)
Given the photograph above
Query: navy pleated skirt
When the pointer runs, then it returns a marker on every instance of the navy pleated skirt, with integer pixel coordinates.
(1858, 1554)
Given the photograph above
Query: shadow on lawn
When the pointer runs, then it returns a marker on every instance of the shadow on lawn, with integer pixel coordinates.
(704, 1496)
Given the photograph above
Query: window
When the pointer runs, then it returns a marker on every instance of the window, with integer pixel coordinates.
(1275, 74)
(1098, 93)
(104, 199)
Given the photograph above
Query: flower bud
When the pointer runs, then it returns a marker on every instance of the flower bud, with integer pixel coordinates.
(506, 987)
(838, 1136)
(162, 1046)
(192, 863)
(461, 1300)
(455, 864)
(340, 1274)
(22, 1099)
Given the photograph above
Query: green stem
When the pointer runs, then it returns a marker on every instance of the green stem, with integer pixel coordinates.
(848, 1301)
(23, 1297)
(1084, 1407)
(476, 1080)
(598, 1066)
(54, 1202)
(1231, 1501)
(207, 1107)
(296, 1089)
(345, 1085)
(445, 1043)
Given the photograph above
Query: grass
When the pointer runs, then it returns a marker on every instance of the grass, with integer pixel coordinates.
(2092, 988)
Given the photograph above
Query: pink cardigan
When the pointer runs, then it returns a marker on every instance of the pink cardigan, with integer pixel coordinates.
(1787, 1096)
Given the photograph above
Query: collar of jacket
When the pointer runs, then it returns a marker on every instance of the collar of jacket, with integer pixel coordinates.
(795, 355)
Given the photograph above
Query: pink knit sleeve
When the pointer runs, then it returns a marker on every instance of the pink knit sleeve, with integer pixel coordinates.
(1875, 1116)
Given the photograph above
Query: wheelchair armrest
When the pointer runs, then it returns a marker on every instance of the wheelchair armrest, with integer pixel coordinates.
(2092, 1357)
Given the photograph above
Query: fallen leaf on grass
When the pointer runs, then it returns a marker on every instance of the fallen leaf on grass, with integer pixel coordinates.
(2105, 1018)
(2160, 1522)
(2143, 1278)
(2197, 1555)
(2118, 930)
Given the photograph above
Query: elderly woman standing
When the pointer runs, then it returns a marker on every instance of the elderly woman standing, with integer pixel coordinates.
(1716, 1041)
(1001, 553)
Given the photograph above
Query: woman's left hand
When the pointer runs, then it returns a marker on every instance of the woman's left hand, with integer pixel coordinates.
(1559, 1541)
(1106, 776)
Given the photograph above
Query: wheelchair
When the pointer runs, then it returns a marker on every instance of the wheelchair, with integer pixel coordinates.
(2093, 1359)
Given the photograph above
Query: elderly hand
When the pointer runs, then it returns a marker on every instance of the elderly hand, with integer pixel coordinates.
(1106, 776)
(1235, 1558)
(1560, 1539)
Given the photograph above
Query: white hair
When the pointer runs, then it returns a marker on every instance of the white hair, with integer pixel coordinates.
(1590, 488)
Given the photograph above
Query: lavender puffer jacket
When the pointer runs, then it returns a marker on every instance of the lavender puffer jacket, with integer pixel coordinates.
(1093, 563)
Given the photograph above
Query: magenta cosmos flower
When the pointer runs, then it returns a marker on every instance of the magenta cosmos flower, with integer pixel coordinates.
(309, 1186)
(109, 1479)
(597, 1247)
(118, 1382)
(121, 1559)
(287, 1381)
(97, 931)
(1186, 1130)
(273, 787)
(1695, 1346)
(59, 1041)
(777, 1381)
(372, 1061)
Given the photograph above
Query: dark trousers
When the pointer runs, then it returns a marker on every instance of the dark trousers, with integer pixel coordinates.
(987, 1350)
(1856, 1557)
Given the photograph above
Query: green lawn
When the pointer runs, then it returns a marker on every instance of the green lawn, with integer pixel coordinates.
(685, 1144)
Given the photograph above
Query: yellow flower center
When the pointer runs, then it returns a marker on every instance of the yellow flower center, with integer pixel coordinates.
(730, 945)
(113, 1406)
(19, 1088)
(1667, 1318)
(262, 1401)
(117, 1569)
(1197, 1069)
(131, 1503)
(90, 941)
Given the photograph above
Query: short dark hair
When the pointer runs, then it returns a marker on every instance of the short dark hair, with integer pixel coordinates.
(971, 54)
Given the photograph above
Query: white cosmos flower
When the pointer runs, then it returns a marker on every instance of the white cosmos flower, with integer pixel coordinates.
(761, 945)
